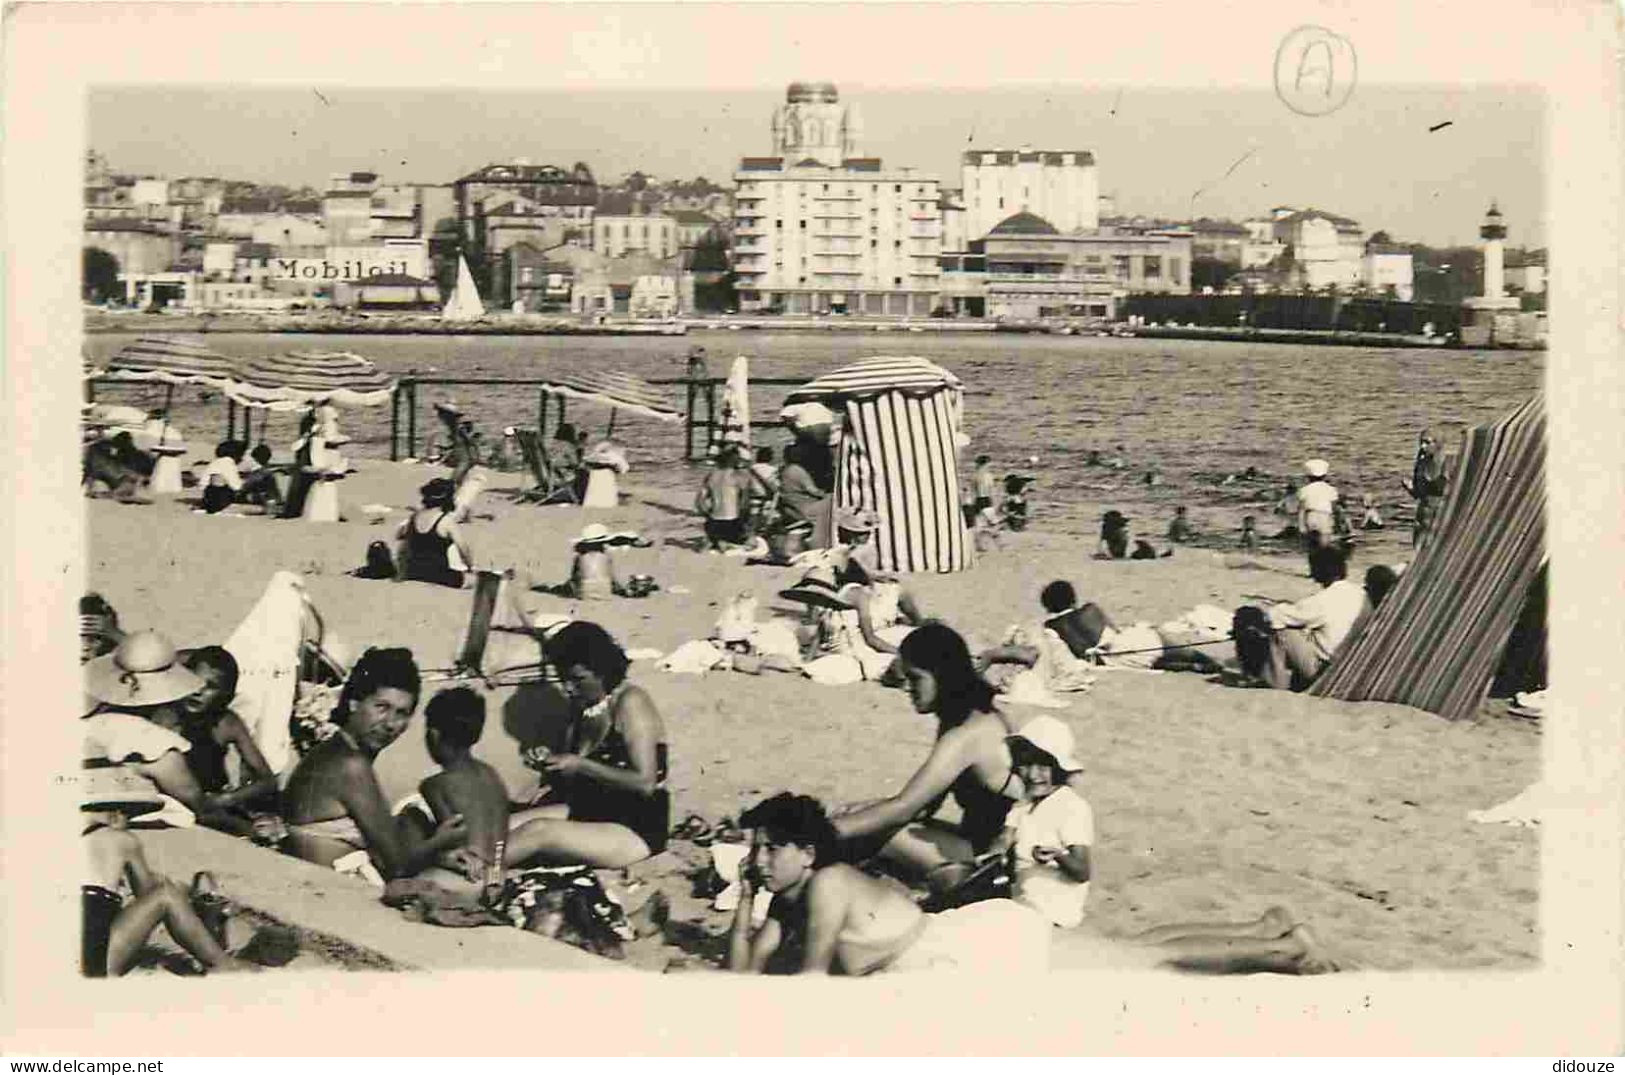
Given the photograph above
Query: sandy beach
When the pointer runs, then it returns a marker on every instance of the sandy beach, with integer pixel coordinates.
(1210, 802)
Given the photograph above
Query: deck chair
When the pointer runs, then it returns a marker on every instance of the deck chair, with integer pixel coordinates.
(517, 655)
(547, 490)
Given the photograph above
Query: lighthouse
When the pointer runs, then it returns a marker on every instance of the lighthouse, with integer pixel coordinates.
(1488, 318)
(1494, 234)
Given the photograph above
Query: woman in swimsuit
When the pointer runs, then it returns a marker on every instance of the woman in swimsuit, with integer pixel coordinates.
(612, 807)
(828, 917)
(970, 761)
(332, 801)
(426, 538)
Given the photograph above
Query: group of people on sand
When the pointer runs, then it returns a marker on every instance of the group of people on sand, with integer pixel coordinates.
(160, 721)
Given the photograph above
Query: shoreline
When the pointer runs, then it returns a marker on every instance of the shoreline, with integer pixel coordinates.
(508, 325)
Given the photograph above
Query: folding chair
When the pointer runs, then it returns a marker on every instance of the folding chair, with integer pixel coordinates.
(484, 614)
(547, 491)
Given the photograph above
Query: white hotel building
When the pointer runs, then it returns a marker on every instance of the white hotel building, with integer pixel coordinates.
(819, 229)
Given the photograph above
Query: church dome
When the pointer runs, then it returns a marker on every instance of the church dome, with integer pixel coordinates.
(1024, 223)
(811, 93)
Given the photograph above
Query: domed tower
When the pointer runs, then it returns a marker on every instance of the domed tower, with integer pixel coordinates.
(813, 124)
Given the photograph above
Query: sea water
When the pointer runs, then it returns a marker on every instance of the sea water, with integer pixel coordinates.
(1187, 412)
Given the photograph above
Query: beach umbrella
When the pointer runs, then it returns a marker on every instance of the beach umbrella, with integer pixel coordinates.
(872, 376)
(171, 360)
(733, 424)
(303, 378)
(621, 391)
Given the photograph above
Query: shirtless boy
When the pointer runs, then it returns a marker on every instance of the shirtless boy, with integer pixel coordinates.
(466, 787)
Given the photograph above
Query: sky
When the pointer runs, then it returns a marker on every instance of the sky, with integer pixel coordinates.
(1160, 151)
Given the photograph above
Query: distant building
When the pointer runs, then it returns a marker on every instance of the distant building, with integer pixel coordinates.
(139, 247)
(1387, 269)
(539, 204)
(818, 229)
(1221, 240)
(1026, 268)
(616, 236)
(1326, 249)
(1058, 185)
(273, 228)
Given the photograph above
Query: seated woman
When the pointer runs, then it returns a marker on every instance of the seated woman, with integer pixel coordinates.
(222, 481)
(839, 919)
(260, 479)
(205, 719)
(873, 612)
(425, 539)
(592, 572)
(135, 687)
(123, 900)
(332, 801)
(1114, 536)
(610, 805)
(1287, 645)
(970, 761)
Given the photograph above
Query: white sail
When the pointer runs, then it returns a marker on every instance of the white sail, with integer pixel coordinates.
(464, 304)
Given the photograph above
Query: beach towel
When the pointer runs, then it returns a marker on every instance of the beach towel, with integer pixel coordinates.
(1134, 646)
(266, 646)
(692, 658)
(990, 936)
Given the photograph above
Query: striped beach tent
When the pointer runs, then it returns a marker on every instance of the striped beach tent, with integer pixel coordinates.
(1439, 636)
(171, 360)
(621, 391)
(300, 378)
(898, 457)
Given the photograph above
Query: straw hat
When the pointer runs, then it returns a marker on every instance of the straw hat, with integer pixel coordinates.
(817, 588)
(1317, 468)
(857, 520)
(1053, 738)
(143, 671)
(593, 534)
(113, 787)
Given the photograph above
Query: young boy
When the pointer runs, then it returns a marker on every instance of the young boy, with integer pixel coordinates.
(123, 901)
(1249, 533)
(984, 523)
(1013, 510)
(454, 721)
(722, 499)
(1051, 830)
(1180, 529)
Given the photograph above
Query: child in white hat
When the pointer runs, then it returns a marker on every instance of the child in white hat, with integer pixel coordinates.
(1052, 829)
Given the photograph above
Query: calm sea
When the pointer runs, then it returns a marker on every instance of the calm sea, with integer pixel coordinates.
(1189, 411)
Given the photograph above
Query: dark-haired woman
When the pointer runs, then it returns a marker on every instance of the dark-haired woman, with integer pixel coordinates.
(969, 761)
(612, 807)
(425, 540)
(332, 800)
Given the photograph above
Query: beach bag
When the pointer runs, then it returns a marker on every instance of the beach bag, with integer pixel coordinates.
(380, 563)
(992, 880)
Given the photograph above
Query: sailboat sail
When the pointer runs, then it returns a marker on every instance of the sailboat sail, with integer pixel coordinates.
(464, 304)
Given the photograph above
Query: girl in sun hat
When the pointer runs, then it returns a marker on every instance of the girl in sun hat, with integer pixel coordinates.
(128, 688)
(1049, 833)
(592, 574)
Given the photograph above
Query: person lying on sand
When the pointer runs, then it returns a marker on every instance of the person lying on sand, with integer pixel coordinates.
(610, 807)
(837, 919)
(332, 800)
(427, 536)
(121, 898)
(1058, 647)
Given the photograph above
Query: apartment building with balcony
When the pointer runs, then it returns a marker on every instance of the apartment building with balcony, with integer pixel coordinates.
(819, 229)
